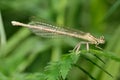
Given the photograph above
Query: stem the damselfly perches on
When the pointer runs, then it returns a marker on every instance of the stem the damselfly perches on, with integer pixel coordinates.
(89, 39)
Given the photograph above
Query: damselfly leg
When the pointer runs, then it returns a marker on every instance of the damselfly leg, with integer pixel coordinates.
(78, 46)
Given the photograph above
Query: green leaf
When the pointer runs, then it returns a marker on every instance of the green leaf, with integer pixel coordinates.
(66, 63)
(52, 71)
(86, 72)
(106, 54)
(60, 68)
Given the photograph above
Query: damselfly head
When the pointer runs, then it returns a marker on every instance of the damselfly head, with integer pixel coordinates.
(101, 40)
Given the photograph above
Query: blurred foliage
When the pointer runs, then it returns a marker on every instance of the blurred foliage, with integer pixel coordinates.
(24, 56)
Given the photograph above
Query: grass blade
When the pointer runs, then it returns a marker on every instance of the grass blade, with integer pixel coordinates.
(2, 32)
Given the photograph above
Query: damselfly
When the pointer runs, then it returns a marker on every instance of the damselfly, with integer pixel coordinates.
(89, 39)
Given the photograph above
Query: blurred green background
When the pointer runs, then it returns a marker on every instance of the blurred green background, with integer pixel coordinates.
(23, 52)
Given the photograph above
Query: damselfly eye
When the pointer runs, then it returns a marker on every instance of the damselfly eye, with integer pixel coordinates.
(102, 39)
